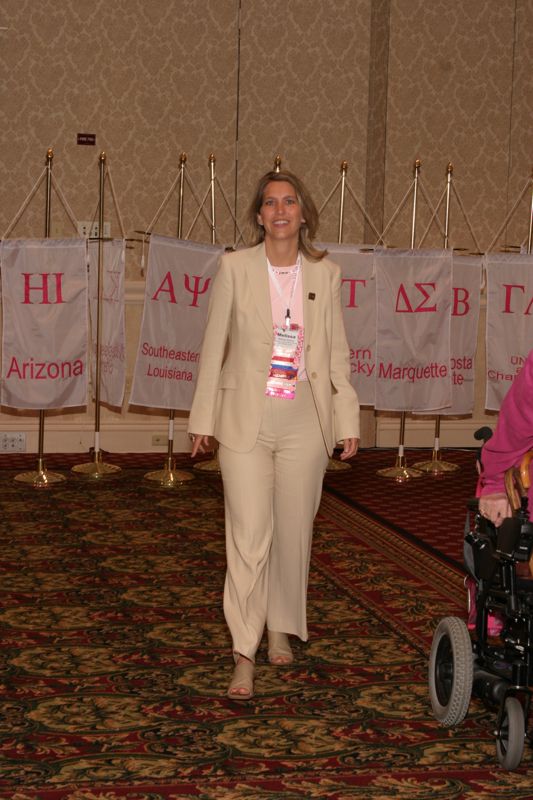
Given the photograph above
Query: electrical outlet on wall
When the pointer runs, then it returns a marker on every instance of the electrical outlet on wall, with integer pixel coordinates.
(91, 230)
(12, 442)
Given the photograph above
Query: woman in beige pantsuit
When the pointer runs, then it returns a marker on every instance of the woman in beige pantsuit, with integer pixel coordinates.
(274, 390)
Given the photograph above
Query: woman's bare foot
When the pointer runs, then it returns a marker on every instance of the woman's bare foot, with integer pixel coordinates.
(279, 649)
(242, 683)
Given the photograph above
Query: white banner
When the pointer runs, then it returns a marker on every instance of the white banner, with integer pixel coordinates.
(175, 309)
(509, 321)
(112, 332)
(466, 287)
(414, 301)
(359, 311)
(45, 331)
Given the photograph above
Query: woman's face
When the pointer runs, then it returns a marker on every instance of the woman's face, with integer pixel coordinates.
(280, 213)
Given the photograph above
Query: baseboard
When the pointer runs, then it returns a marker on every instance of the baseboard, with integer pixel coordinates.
(421, 432)
(118, 437)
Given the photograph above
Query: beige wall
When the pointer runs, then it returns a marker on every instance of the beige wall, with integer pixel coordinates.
(377, 84)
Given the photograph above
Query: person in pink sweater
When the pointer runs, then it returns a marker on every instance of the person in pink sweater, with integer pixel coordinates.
(512, 438)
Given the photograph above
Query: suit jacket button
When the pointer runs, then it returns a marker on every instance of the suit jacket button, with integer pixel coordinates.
(313, 374)
(308, 347)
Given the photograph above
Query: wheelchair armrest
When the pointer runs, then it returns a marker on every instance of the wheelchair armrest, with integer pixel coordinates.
(525, 476)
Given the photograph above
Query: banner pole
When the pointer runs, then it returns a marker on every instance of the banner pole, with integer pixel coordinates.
(41, 478)
(212, 162)
(334, 464)
(400, 472)
(530, 231)
(213, 465)
(449, 175)
(98, 468)
(169, 477)
(181, 190)
(344, 169)
(436, 466)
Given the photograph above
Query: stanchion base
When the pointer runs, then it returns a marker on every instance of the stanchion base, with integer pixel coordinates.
(40, 478)
(95, 469)
(211, 466)
(436, 467)
(399, 472)
(169, 477)
(334, 465)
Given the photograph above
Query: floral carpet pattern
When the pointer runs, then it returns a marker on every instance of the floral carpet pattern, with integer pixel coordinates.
(115, 658)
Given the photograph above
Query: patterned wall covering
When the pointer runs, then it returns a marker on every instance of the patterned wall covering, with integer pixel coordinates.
(377, 83)
(520, 159)
(304, 95)
(458, 93)
(149, 79)
(378, 79)
(447, 81)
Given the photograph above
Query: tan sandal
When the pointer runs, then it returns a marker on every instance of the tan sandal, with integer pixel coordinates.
(279, 649)
(242, 683)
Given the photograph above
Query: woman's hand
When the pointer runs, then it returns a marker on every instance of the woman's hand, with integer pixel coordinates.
(349, 448)
(201, 443)
(495, 507)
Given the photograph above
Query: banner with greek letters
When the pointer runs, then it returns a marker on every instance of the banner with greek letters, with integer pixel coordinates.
(112, 333)
(466, 287)
(509, 334)
(178, 278)
(414, 301)
(45, 328)
(358, 297)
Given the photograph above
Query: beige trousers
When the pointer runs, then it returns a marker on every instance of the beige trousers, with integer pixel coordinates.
(272, 494)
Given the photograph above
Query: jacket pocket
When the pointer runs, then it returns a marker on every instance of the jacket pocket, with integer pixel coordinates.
(228, 380)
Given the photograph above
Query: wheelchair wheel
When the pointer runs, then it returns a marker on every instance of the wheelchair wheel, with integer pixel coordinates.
(451, 671)
(511, 734)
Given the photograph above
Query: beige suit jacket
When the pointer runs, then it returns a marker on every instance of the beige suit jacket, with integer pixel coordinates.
(237, 349)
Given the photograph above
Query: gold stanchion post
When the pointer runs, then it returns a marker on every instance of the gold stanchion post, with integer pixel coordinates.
(212, 465)
(169, 477)
(436, 466)
(98, 468)
(400, 472)
(41, 478)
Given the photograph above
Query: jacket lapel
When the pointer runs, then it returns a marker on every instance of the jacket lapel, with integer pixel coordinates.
(257, 275)
(309, 300)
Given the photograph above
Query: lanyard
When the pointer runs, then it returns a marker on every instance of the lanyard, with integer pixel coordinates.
(277, 287)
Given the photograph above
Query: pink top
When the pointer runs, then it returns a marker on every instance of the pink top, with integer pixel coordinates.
(513, 436)
(285, 279)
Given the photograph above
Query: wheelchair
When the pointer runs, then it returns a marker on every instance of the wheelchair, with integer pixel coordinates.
(491, 657)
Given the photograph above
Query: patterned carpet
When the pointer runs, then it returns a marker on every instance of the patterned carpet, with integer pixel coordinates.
(115, 655)
(430, 510)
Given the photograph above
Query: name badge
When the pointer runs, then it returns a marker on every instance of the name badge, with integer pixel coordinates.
(286, 352)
